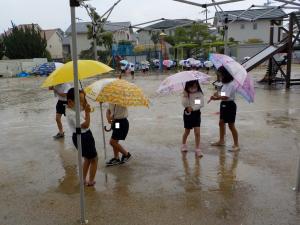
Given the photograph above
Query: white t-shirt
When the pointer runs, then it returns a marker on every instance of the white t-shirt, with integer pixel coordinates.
(194, 100)
(228, 90)
(62, 88)
(118, 112)
(71, 119)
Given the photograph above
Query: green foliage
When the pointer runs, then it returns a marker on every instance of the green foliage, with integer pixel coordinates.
(155, 37)
(103, 38)
(170, 40)
(2, 49)
(254, 41)
(125, 42)
(103, 56)
(24, 43)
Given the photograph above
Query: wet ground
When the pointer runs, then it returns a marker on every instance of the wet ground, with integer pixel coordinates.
(39, 182)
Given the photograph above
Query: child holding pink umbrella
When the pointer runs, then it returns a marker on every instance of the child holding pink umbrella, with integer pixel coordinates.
(192, 101)
(227, 108)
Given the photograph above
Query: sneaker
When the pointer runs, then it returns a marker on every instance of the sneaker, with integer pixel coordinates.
(59, 135)
(126, 158)
(113, 162)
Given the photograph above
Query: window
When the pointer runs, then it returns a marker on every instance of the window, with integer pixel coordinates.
(242, 26)
(255, 26)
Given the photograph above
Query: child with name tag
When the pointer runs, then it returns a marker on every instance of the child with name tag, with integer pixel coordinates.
(117, 116)
(192, 101)
(227, 108)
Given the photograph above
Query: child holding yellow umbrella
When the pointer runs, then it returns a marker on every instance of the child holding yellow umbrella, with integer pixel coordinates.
(119, 94)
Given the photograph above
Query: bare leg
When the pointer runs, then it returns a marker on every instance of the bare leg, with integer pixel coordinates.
(234, 134)
(185, 136)
(85, 168)
(197, 137)
(114, 143)
(93, 169)
(117, 147)
(222, 131)
(58, 122)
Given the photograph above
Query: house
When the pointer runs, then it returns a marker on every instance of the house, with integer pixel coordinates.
(121, 31)
(54, 38)
(252, 24)
(166, 26)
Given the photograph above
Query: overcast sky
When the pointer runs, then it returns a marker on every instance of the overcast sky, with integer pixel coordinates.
(56, 13)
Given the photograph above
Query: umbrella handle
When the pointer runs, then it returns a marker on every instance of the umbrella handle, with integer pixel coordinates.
(107, 130)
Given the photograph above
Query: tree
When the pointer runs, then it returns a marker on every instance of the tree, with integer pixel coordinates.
(103, 38)
(22, 43)
(155, 40)
(1, 48)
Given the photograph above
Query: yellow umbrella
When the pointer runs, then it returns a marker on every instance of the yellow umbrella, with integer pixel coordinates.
(117, 91)
(86, 69)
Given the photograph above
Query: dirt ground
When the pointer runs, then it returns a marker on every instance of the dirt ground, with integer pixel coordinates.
(39, 182)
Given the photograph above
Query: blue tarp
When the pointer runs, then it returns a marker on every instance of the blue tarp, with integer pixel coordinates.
(23, 74)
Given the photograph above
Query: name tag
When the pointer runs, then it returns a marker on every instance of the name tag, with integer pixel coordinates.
(197, 101)
(117, 125)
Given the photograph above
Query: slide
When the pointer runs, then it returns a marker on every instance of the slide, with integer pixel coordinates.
(263, 55)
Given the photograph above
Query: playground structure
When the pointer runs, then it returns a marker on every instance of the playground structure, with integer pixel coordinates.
(287, 45)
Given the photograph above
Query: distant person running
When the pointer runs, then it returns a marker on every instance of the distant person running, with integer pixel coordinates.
(117, 116)
(60, 91)
(192, 101)
(89, 152)
(227, 108)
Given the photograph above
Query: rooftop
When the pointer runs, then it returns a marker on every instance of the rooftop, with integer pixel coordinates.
(81, 27)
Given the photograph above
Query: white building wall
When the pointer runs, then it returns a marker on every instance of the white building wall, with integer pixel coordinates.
(54, 46)
(242, 35)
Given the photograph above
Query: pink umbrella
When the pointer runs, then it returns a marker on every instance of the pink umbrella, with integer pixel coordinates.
(167, 63)
(247, 89)
(242, 80)
(177, 81)
(236, 70)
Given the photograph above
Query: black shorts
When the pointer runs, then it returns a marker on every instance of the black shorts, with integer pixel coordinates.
(228, 111)
(132, 72)
(88, 144)
(123, 71)
(192, 120)
(121, 132)
(61, 107)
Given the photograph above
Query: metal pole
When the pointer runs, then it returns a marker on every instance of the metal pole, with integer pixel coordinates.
(95, 48)
(73, 4)
(103, 131)
(226, 52)
(298, 177)
(289, 51)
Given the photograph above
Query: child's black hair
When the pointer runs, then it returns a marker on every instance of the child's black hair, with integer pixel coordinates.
(190, 84)
(225, 75)
(71, 94)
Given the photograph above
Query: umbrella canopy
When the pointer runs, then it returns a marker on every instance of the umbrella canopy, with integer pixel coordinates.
(117, 91)
(238, 72)
(177, 81)
(247, 89)
(243, 82)
(124, 62)
(208, 64)
(145, 62)
(167, 63)
(86, 69)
